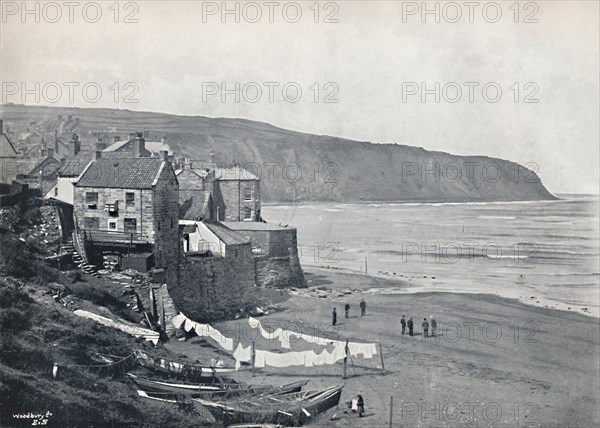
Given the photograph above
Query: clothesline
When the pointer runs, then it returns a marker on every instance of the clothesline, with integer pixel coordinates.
(203, 330)
(366, 349)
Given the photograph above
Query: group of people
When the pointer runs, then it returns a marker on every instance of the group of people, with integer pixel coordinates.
(363, 311)
(357, 405)
(425, 325)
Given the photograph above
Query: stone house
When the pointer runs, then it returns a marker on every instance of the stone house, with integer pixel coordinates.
(200, 195)
(135, 146)
(8, 158)
(129, 205)
(240, 190)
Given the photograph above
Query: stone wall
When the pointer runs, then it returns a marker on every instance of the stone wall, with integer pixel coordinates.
(275, 251)
(215, 288)
(166, 219)
(279, 272)
(232, 192)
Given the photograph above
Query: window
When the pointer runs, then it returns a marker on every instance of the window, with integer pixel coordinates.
(247, 193)
(129, 199)
(113, 209)
(56, 191)
(130, 225)
(112, 225)
(91, 223)
(247, 213)
(91, 199)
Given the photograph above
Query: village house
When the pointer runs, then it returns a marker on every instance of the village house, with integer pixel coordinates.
(241, 193)
(129, 206)
(200, 195)
(8, 158)
(72, 165)
(136, 146)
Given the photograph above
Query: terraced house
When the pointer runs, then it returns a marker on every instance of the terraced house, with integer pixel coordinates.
(129, 206)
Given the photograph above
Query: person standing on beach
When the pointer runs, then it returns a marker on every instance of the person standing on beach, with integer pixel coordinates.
(433, 325)
(361, 405)
(363, 307)
(347, 309)
(425, 326)
(334, 315)
(410, 326)
(403, 324)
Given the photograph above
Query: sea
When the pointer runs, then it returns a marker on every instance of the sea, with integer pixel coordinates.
(543, 253)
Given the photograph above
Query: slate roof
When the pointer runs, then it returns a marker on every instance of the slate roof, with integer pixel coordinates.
(254, 225)
(228, 236)
(6, 148)
(75, 165)
(115, 146)
(235, 173)
(122, 173)
(193, 204)
(187, 228)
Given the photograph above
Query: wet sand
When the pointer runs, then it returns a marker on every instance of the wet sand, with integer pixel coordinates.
(494, 361)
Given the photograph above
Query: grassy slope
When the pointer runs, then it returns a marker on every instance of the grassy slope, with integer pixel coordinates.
(36, 331)
(332, 169)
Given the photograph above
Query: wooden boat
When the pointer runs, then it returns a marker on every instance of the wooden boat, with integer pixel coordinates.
(287, 409)
(166, 389)
(192, 372)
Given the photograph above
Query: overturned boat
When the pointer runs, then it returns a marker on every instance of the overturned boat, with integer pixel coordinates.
(192, 372)
(293, 409)
(166, 389)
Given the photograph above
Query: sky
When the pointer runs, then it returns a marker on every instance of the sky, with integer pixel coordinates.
(367, 71)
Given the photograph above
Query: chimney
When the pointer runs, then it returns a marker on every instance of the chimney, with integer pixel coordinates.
(132, 136)
(98, 154)
(50, 152)
(75, 146)
(164, 155)
(56, 141)
(146, 133)
(116, 138)
(139, 145)
(1, 126)
(100, 145)
(211, 157)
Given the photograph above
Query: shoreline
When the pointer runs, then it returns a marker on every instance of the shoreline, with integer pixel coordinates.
(488, 350)
(405, 285)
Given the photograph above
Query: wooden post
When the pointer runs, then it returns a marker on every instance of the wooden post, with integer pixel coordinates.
(381, 355)
(253, 357)
(391, 409)
(345, 359)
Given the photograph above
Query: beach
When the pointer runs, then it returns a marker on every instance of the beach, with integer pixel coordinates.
(494, 361)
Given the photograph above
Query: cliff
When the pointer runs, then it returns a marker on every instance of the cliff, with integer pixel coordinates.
(297, 167)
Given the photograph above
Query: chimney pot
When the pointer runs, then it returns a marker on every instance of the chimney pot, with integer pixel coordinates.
(164, 155)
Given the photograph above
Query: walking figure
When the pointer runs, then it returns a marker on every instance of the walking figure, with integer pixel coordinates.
(403, 324)
(410, 326)
(334, 315)
(363, 307)
(433, 326)
(425, 326)
(347, 308)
